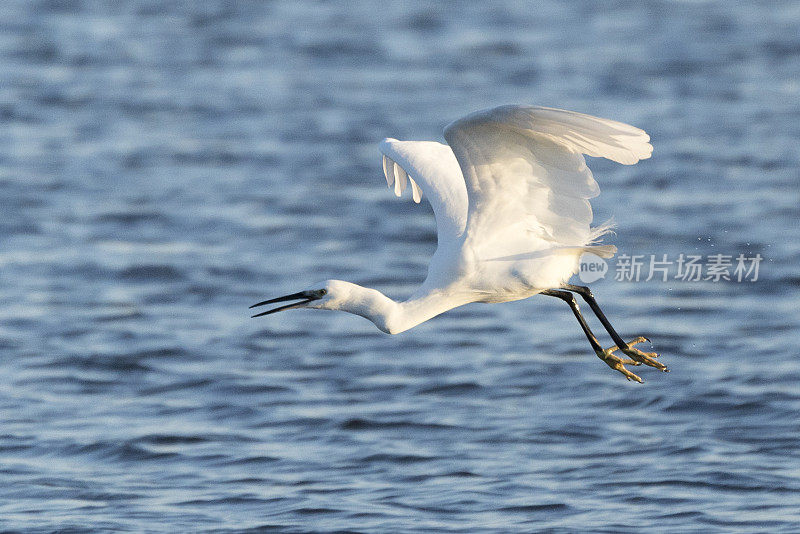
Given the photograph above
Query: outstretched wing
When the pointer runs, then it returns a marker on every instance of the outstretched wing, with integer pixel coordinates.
(431, 170)
(527, 180)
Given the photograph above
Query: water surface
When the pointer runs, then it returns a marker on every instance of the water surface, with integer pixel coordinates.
(165, 164)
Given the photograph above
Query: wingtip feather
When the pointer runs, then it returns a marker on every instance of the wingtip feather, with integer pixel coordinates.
(387, 171)
(400, 180)
(594, 136)
(416, 193)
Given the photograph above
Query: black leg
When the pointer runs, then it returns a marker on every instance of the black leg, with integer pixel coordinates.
(569, 298)
(612, 361)
(587, 295)
(636, 354)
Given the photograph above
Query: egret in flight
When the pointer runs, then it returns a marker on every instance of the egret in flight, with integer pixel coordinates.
(510, 192)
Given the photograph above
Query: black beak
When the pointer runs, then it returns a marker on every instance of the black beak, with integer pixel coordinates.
(305, 296)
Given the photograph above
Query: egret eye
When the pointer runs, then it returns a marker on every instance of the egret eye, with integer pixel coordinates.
(323, 292)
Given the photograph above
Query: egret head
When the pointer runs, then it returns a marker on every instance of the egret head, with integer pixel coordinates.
(327, 295)
(343, 296)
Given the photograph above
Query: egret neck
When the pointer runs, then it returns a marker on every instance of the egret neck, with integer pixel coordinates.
(388, 315)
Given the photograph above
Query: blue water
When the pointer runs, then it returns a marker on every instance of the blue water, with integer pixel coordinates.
(163, 165)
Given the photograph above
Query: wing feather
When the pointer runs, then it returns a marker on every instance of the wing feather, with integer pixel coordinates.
(400, 179)
(432, 171)
(527, 180)
(388, 172)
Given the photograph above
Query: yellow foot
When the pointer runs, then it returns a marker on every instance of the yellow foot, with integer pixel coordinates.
(647, 358)
(618, 364)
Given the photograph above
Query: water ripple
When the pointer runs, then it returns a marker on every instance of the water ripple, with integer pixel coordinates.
(165, 164)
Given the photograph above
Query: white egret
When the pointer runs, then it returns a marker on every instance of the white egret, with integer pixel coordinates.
(510, 196)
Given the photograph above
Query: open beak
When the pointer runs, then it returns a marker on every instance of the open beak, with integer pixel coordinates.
(304, 296)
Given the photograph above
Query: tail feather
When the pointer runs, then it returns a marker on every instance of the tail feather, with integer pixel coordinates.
(604, 251)
(599, 231)
(596, 234)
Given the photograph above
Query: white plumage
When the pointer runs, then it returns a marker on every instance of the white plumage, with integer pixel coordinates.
(513, 186)
(510, 193)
